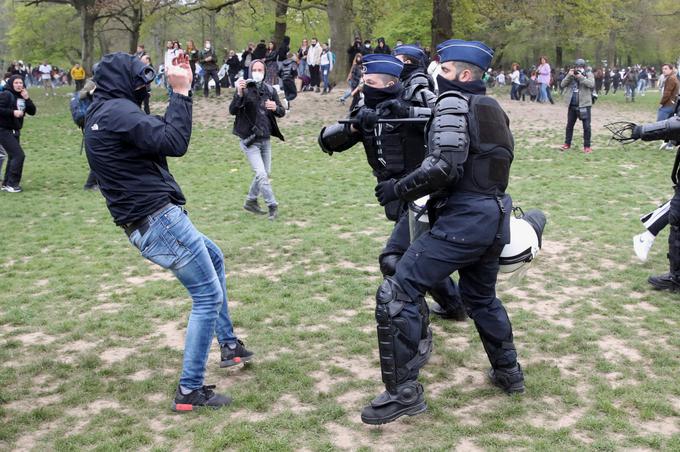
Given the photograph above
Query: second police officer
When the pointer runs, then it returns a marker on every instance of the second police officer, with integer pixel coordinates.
(392, 151)
(466, 172)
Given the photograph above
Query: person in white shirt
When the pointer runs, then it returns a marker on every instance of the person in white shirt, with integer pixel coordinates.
(313, 61)
(326, 67)
(45, 70)
(514, 79)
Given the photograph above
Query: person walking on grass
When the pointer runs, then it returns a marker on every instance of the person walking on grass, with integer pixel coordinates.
(15, 104)
(128, 150)
(256, 107)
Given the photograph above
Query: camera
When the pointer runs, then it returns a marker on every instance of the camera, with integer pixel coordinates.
(250, 139)
(577, 71)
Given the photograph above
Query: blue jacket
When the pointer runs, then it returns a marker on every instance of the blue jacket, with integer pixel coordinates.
(128, 149)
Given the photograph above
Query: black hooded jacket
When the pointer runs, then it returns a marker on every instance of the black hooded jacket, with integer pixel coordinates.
(8, 104)
(251, 116)
(284, 48)
(128, 149)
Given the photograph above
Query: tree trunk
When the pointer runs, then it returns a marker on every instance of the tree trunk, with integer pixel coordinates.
(280, 21)
(136, 20)
(611, 49)
(341, 35)
(88, 17)
(213, 26)
(442, 22)
(558, 56)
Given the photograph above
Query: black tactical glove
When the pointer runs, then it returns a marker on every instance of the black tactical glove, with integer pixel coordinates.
(395, 108)
(385, 191)
(367, 118)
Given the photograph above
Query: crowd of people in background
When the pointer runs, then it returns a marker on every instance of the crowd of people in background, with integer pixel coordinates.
(539, 81)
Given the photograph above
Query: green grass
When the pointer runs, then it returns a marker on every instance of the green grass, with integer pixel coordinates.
(90, 355)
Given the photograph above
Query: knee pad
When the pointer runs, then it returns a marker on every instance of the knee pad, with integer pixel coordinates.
(404, 336)
(388, 263)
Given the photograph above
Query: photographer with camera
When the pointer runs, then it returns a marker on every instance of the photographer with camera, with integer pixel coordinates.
(256, 107)
(581, 82)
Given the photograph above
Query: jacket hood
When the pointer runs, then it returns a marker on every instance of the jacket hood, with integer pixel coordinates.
(10, 83)
(250, 66)
(286, 40)
(118, 75)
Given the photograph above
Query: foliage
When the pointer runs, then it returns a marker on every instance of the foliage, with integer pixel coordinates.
(619, 31)
(45, 32)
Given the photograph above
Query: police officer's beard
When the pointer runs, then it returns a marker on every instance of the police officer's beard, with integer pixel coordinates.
(374, 96)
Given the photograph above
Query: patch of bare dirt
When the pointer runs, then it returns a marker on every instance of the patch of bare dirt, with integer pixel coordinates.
(116, 354)
(616, 350)
(36, 338)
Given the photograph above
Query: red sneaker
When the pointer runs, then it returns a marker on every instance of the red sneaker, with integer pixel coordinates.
(587, 150)
(565, 147)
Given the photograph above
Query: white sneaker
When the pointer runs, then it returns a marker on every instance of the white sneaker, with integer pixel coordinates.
(642, 246)
(663, 146)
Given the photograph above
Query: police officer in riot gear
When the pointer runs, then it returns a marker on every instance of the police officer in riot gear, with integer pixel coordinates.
(392, 150)
(466, 172)
(667, 130)
(417, 100)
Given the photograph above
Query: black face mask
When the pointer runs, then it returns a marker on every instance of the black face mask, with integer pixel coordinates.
(140, 95)
(374, 96)
(473, 87)
(409, 68)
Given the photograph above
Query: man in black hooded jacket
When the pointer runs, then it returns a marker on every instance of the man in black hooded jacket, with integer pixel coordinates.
(14, 105)
(128, 151)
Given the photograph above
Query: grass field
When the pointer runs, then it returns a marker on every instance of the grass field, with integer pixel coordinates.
(91, 335)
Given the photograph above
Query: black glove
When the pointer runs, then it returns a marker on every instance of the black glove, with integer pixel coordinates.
(367, 118)
(394, 108)
(385, 191)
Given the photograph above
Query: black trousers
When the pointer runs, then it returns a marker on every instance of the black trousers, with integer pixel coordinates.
(444, 290)
(431, 259)
(674, 235)
(9, 139)
(207, 75)
(315, 75)
(584, 115)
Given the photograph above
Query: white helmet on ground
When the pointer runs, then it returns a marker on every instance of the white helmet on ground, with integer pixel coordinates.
(525, 240)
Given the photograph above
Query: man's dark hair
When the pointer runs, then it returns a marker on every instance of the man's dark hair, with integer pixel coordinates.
(477, 72)
(670, 65)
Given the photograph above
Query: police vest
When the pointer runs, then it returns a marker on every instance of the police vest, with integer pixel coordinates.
(491, 150)
(393, 150)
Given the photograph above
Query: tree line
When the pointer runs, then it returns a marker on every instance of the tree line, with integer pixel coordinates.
(604, 32)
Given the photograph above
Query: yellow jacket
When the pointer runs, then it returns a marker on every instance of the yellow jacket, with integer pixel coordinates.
(78, 73)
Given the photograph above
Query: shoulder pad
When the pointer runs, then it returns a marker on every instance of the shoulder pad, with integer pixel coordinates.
(421, 79)
(451, 103)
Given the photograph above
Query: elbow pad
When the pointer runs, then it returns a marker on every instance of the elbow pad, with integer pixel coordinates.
(433, 173)
(337, 138)
(668, 129)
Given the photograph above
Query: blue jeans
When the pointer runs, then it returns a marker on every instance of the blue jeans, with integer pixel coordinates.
(259, 154)
(664, 113)
(174, 243)
(325, 70)
(543, 96)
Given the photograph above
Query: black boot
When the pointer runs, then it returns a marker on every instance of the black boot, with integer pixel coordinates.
(273, 212)
(407, 399)
(254, 207)
(509, 380)
(664, 282)
(202, 397)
